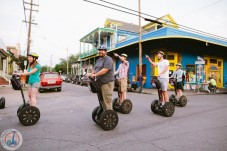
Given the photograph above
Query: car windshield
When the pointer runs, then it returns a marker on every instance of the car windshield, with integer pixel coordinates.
(51, 75)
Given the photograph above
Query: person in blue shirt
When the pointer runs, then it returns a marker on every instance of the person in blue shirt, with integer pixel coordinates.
(34, 79)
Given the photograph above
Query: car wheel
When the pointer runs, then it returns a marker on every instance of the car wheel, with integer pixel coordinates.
(40, 90)
(59, 89)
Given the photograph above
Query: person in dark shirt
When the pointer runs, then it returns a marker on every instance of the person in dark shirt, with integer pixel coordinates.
(104, 74)
(141, 82)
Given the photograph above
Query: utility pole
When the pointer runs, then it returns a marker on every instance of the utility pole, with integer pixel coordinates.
(29, 22)
(51, 63)
(67, 62)
(140, 44)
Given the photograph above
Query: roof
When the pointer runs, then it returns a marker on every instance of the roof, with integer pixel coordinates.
(167, 20)
(122, 25)
(4, 54)
(168, 32)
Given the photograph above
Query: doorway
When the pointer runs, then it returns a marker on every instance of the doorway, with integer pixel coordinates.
(214, 68)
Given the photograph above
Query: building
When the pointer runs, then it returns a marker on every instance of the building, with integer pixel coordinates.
(14, 53)
(179, 45)
(3, 64)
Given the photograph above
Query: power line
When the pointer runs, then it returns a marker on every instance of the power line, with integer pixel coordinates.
(24, 14)
(111, 7)
(29, 22)
(181, 26)
(199, 9)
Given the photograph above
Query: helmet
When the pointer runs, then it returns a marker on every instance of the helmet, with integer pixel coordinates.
(102, 47)
(124, 55)
(178, 64)
(34, 55)
(161, 52)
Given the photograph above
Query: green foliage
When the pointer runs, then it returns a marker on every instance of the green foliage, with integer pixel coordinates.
(62, 66)
(44, 68)
(19, 61)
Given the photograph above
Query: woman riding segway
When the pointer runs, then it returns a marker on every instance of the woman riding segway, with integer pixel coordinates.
(34, 80)
(28, 113)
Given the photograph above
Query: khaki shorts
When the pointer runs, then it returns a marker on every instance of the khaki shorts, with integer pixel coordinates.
(123, 85)
(107, 93)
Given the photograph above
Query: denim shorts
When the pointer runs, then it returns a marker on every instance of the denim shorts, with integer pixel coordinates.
(34, 85)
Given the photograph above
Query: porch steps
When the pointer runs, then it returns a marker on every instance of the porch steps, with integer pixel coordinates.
(3, 81)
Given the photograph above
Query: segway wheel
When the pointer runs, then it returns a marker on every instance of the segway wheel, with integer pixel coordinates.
(126, 106)
(154, 106)
(108, 120)
(168, 109)
(29, 115)
(115, 106)
(95, 115)
(21, 107)
(2, 103)
(172, 97)
(183, 101)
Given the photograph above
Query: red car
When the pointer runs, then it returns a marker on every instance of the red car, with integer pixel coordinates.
(50, 80)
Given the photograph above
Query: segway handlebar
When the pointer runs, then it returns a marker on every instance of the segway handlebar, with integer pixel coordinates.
(93, 85)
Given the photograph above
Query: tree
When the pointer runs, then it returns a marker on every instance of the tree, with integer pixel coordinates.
(62, 66)
(19, 61)
(44, 68)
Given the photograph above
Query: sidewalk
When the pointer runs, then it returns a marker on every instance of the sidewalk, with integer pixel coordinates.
(151, 91)
(186, 92)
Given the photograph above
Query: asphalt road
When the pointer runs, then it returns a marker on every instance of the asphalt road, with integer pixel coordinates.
(66, 123)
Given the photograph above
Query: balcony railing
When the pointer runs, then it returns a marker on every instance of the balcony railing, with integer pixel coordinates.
(90, 52)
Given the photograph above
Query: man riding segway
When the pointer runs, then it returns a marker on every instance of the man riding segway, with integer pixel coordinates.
(161, 106)
(104, 115)
(122, 104)
(177, 81)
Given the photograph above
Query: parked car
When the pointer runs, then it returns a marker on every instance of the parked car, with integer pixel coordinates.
(68, 78)
(76, 79)
(84, 80)
(63, 77)
(50, 80)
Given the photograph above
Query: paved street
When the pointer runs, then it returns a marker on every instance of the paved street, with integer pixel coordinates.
(66, 123)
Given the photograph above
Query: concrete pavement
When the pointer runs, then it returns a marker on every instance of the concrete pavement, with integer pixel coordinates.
(66, 124)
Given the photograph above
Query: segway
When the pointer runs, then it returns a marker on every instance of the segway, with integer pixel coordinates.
(108, 119)
(182, 101)
(2, 103)
(168, 108)
(28, 115)
(126, 105)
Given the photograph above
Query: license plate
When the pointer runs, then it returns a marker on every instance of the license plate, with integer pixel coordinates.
(51, 82)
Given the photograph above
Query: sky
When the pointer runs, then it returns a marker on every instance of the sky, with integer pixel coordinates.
(61, 24)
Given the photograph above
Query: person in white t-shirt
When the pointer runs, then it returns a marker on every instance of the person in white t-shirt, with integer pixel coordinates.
(163, 74)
